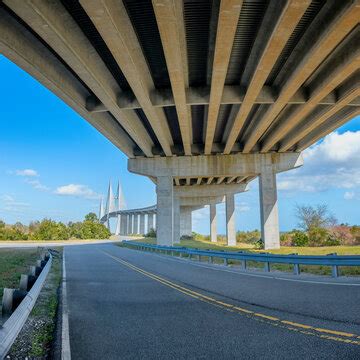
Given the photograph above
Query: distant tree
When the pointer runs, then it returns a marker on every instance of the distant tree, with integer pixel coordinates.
(317, 217)
(91, 217)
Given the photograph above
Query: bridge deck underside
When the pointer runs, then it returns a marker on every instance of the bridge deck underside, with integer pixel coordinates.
(166, 78)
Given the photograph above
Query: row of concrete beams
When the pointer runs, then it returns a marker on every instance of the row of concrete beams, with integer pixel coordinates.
(266, 166)
(324, 34)
(266, 49)
(54, 24)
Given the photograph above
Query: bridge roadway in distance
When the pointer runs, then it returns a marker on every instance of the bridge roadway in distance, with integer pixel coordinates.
(131, 304)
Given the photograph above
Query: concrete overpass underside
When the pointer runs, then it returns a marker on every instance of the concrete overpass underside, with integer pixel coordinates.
(197, 93)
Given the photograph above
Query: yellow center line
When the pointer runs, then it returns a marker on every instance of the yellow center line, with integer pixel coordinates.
(293, 326)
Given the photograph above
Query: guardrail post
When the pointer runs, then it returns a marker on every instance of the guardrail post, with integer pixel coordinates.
(267, 267)
(296, 269)
(334, 268)
(199, 258)
(225, 261)
(210, 259)
(243, 265)
(335, 271)
(190, 256)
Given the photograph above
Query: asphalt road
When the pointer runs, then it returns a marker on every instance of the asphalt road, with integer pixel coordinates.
(128, 304)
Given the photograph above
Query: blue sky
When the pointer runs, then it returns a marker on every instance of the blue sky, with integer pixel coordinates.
(54, 164)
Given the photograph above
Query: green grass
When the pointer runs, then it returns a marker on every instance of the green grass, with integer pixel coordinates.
(46, 310)
(13, 263)
(199, 244)
(313, 269)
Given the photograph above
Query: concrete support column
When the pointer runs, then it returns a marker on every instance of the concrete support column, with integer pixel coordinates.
(142, 224)
(213, 223)
(164, 215)
(230, 220)
(118, 225)
(176, 214)
(269, 208)
(124, 224)
(151, 224)
(130, 221)
(185, 221)
(136, 224)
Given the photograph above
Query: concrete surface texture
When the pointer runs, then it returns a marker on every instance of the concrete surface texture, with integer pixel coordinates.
(149, 306)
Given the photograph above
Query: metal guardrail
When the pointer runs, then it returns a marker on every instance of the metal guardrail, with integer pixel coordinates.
(332, 260)
(11, 328)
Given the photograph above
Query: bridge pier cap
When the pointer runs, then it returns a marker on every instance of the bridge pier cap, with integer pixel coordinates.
(214, 165)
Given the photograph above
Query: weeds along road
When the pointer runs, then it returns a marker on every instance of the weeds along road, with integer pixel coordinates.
(128, 304)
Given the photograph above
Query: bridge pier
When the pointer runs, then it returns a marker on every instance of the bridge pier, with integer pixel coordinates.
(130, 222)
(151, 222)
(213, 223)
(124, 224)
(142, 224)
(166, 171)
(269, 208)
(185, 221)
(164, 210)
(136, 224)
(230, 220)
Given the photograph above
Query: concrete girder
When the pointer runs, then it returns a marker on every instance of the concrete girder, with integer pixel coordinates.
(338, 69)
(25, 50)
(229, 13)
(214, 165)
(329, 28)
(54, 24)
(112, 21)
(332, 123)
(265, 52)
(347, 92)
(170, 21)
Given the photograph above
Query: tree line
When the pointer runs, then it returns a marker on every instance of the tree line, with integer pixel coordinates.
(48, 229)
(317, 226)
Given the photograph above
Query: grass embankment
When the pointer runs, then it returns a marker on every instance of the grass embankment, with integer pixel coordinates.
(13, 263)
(313, 269)
(36, 337)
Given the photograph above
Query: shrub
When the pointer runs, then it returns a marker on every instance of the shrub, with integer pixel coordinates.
(259, 244)
(151, 233)
(317, 236)
(286, 239)
(299, 238)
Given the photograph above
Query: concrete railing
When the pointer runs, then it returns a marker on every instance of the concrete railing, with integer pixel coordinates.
(332, 260)
(11, 328)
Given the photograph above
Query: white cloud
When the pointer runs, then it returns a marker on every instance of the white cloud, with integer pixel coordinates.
(27, 172)
(333, 163)
(36, 184)
(78, 191)
(9, 204)
(349, 195)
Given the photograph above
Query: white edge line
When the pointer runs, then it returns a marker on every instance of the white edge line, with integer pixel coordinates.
(253, 275)
(65, 338)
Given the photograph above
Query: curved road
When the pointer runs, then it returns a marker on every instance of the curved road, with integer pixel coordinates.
(128, 304)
